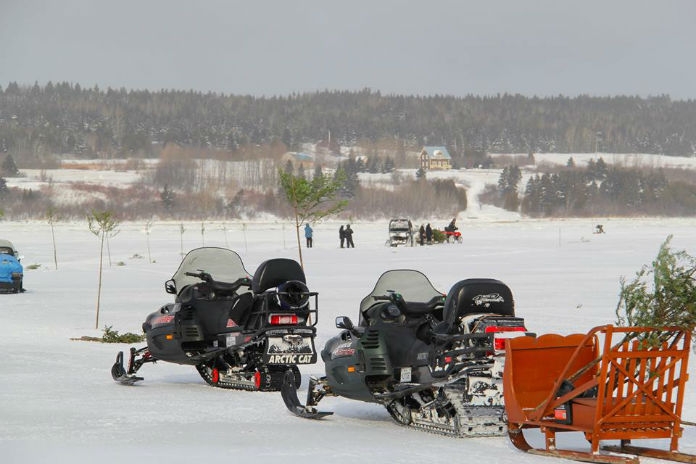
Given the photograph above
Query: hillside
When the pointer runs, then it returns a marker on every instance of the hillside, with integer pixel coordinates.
(128, 188)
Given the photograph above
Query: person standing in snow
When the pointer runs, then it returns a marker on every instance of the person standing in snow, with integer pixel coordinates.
(348, 232)
(341, 235)
(308, 235)
(429, 234)
(421, 235)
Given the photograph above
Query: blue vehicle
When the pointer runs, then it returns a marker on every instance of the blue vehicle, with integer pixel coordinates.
(11, 270)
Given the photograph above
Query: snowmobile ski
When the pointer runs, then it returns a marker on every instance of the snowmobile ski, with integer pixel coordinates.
(119, 374)
(289, 393)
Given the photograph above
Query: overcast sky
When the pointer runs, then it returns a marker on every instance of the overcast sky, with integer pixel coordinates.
(267, 48)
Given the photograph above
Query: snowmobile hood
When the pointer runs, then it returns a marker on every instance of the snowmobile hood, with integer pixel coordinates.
(222, 264)
(9, 265)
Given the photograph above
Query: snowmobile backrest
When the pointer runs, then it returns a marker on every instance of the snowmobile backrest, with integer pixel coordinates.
(273, 272)
(477, 296)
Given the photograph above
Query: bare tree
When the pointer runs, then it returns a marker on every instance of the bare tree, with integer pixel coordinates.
(52, 217)
(101, 224)
(148, 228)
(181, 238)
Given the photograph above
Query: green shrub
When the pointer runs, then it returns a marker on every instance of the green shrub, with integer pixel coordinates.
(661, 295)
(439, 236)
(112, 336)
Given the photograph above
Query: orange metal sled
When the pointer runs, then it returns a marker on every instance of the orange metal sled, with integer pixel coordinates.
(614, 383)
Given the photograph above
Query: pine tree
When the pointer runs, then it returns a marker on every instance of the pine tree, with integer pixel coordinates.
(317, 171)
(661, 295)
(348, 172)
(289, 168)
(9, 168)
(168, 197)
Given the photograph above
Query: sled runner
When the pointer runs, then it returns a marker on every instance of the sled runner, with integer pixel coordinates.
(614, 383)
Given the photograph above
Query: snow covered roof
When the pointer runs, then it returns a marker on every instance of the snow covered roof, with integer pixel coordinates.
(301, 156)
(437, 152)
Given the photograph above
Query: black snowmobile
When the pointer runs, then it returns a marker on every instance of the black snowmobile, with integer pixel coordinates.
(434, 361)
(240, 332)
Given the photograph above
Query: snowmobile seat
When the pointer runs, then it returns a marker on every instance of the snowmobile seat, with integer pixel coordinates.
(223, 315)
(273, 272)
(477, 296)
(241, 308)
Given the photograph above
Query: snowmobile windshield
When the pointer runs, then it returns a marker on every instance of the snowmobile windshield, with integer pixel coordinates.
(222, 264)
(413, 285)
(399, 225)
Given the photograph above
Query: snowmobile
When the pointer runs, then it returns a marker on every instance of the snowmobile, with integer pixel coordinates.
(434, 361)
(400, 232)
(239, 332)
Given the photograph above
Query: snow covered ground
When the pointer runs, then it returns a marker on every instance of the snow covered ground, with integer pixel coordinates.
(58, 403)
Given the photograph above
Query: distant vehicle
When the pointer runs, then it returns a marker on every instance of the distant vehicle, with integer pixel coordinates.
(400, 232)
(11, 270)
(452, 233)
(6, 247)
(453, 236)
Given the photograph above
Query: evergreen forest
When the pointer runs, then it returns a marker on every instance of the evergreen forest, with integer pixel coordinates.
(42, 125)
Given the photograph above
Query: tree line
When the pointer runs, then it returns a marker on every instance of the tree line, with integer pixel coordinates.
(65, 118)
(597, 189)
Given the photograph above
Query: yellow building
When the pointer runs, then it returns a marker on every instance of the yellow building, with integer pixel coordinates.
(435, 158)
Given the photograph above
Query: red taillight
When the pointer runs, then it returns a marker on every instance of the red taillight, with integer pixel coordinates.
(283, 319)
(560, 414)
(499, 341)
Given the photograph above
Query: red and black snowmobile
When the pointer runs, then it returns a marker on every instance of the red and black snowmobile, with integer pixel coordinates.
(239, 332)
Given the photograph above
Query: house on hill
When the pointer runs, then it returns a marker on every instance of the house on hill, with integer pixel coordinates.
(299, 159)
(436, 158)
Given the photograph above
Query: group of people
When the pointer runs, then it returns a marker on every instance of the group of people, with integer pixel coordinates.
(425, 234)
(345, 234)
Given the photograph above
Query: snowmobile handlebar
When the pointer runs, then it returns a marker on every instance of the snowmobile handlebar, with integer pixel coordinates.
(227, 287)
(394, 297)
(397, 298)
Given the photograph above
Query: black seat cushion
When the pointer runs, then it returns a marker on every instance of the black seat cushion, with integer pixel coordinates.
(477, 296)
(274, 272)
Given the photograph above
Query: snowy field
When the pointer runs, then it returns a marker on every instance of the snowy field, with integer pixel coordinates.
(58, 403)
